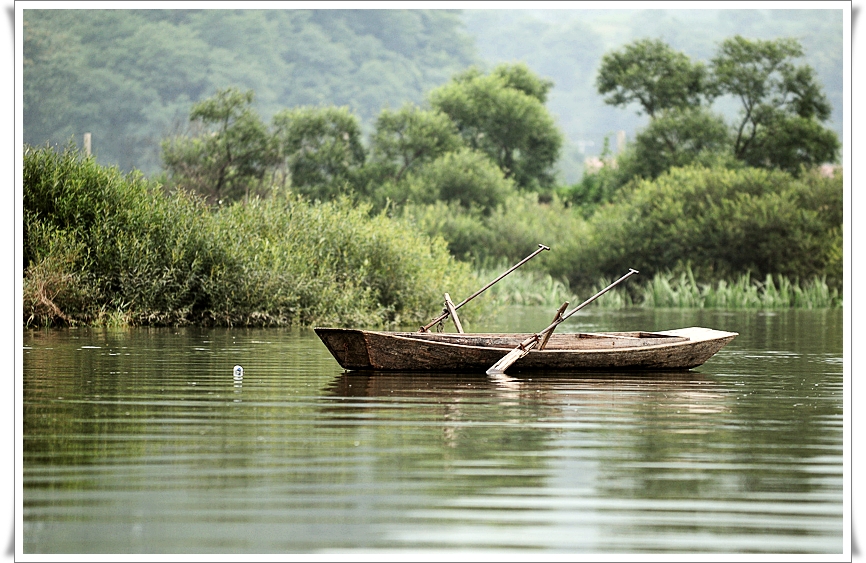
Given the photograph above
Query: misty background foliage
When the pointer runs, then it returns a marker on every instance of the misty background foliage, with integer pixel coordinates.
(130, 77)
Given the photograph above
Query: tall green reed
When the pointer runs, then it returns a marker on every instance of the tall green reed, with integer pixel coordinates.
(525, 287)
(669, 290)
(745, 292)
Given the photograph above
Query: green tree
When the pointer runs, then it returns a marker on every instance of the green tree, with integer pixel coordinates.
(495, 115)
(780, 123)
(229, 151)
(517, 76)
(466, 176)
(320, 149)
(407, 138)
(676, 137)
(783, 106)
(655, 76)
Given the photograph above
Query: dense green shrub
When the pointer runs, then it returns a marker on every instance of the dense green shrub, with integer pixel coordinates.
(465, 176)
(724, 223)
(330, 263)
(508, 233)
(103, 247)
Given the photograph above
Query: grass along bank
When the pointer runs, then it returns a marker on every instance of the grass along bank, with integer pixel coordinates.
(669, 290)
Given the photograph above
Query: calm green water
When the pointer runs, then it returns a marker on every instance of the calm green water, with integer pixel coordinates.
(141, 440)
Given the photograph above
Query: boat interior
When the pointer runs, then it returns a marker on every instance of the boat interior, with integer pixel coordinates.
(564, 341)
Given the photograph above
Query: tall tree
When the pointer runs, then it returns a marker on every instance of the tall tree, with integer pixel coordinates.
(783, 106)
(465, 176)
(653, 75)
(675, 138)
(410, 136)
(228, 152)
(320, 148)
(495, 114)
(780, 124)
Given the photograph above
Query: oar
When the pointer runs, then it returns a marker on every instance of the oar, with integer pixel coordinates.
(445, 313)
(524, 347)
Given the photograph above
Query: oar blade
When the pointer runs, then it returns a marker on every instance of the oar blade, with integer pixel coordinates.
(506, 361)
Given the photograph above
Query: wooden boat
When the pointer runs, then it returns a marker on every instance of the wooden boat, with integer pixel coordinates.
(679, 349)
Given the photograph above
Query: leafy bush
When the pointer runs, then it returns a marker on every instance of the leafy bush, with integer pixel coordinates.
(510, 232)
(724, 223)
(329, 263)
(101, 246)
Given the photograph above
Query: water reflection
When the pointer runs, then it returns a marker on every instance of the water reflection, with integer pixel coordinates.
(519, 421)
(688, 390)
(140, 440)
(683, 454)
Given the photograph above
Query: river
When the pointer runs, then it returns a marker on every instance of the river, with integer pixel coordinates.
(142, 440)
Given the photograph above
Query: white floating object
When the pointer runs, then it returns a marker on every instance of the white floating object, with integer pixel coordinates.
(238, 372)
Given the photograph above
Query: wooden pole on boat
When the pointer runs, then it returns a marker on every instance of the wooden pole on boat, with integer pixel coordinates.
(556, 317)
(453, 312)
(445, 313)
(524, 347)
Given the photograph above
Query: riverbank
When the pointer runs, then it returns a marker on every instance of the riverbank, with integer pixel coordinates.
(106, 249)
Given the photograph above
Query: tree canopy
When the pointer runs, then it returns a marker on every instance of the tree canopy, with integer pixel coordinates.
(407, 138)
(652, 74)
(483, 135)
(320, 149)
(502, 114)
(783, 105)
(130, 76)
(780, 124)
(230, 152)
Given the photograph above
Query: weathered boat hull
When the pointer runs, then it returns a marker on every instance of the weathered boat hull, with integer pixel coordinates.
(679, 349)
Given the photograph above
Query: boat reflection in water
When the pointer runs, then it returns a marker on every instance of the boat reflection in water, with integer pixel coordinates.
(525, 434)
(553, 400)
(675, 387)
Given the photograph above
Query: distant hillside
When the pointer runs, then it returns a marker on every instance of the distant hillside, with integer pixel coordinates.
(567, 45)
(130, 76)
